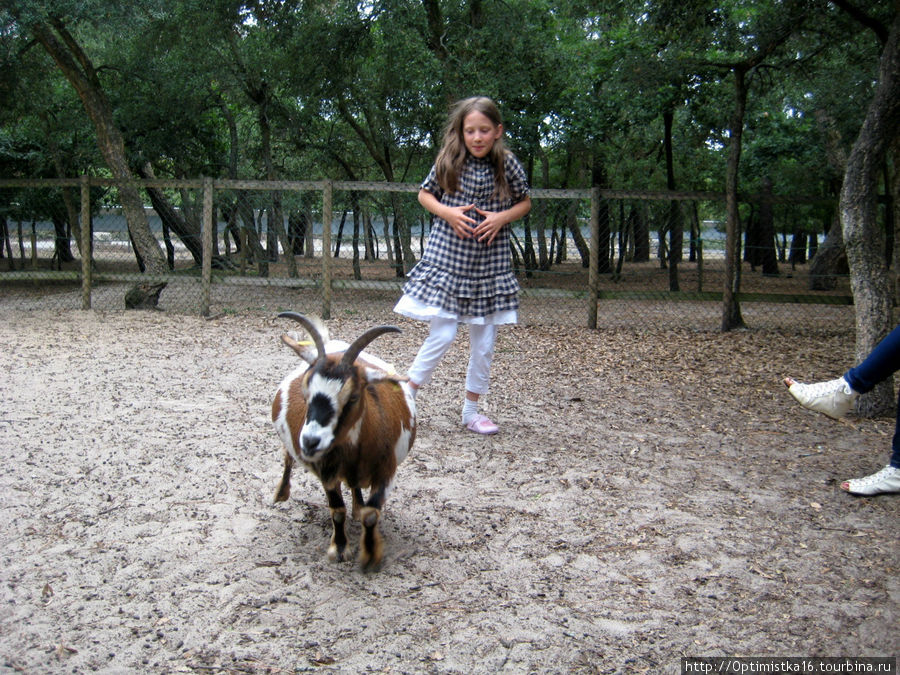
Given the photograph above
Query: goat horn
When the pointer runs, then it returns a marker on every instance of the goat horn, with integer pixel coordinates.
(363, 341)
(310, 328)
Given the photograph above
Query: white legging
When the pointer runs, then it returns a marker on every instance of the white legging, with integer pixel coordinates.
(440, 337)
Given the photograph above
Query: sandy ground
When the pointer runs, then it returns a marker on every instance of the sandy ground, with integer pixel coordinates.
(650, 496)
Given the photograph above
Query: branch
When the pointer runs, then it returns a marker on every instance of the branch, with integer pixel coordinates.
(858, 15)
(757, 57)
(365, 138)
(87, 68)
(791, 22)
(434, 37)
(62, 57)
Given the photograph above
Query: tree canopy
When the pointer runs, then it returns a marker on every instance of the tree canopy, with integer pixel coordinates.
(308, 89)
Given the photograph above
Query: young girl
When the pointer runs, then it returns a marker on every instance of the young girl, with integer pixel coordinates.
(475, 189)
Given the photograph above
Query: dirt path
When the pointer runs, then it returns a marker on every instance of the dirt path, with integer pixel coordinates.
(649, 497)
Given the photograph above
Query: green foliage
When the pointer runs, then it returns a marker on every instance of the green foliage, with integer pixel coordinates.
(333, 88)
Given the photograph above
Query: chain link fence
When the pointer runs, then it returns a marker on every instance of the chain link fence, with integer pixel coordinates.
(238, 246)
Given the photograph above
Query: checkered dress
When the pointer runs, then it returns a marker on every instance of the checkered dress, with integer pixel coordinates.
(466, 277)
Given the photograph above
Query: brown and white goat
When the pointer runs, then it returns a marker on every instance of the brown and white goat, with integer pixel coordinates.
(347, 423)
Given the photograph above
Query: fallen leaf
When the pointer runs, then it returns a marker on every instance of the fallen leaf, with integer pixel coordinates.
(321, 660)
(62, 650)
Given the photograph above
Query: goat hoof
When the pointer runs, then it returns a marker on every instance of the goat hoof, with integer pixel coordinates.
(369, 563)
(335, 554)
(371, 568)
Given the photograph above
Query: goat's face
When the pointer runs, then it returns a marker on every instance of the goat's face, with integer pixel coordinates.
(329, 388)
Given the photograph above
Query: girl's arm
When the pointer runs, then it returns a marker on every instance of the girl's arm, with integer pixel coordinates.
(454, 215)
(488, 228)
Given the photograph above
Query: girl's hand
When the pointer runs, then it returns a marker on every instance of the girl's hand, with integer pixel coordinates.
(488, 229)
(457, 219)
(454, 215)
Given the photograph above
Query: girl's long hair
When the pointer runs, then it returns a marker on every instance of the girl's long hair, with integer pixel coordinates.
(452, 156)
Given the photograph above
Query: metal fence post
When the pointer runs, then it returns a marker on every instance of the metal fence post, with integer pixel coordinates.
(87, 247)
(594, 259)
(326, 249)
(207, 237)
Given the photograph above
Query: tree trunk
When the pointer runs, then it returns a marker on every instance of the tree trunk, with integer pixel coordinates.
(6, 245)
(297, 225)
(188, 233)
(357, 224)
(544, 256)
(859, 215)
(79, 71)
(675, 223)
(387, 237)
(62, 240)
(694, 216)
(598, 179)
(68, 194)
(405, 257)
(731, 310)
(275, 222)
(253, 250)
(797, 255)
(580, 243)
(767, 256)
(831, 259)
(623, 241)
(895, 207)
(641, 233)
(339, 236)
(751, 237)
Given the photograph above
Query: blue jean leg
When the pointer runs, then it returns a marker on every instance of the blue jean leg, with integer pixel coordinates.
(878, 366)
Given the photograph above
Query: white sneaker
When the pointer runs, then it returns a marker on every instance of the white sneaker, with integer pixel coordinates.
(834, 398)
(886, 480)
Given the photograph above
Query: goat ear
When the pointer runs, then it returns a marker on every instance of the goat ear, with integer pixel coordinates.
(363, 341)
(304, 350)
(310, 327)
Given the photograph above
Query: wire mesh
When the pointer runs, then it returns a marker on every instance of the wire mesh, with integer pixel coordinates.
(270, 251)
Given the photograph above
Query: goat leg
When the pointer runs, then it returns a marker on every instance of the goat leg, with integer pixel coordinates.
(371, 543)
(284, 487)
(357, 502)
(338, 546)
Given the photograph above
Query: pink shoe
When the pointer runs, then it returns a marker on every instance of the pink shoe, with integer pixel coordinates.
(480, 424)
